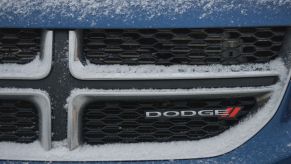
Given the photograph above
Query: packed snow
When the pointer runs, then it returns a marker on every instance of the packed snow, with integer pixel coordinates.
(27, 71)
(24, 91)
(92, 71)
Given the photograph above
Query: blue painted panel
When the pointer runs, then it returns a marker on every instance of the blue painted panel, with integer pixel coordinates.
(200, 13)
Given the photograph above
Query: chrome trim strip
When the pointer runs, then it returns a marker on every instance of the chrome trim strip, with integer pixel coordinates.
(78, 70)
(41, 100)
(42, 64)
(81, 97)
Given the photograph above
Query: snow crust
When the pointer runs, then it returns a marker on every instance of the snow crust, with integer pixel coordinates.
(127, 8)
(92, 71)
(14, 91)
(214, 146)
(29, 70)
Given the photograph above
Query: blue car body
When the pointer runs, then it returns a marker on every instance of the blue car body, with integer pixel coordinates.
(64, 14)
(272, 144)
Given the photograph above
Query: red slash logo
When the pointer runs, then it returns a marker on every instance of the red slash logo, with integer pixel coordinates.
(231, 112)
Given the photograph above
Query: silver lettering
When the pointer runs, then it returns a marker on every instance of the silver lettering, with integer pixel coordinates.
(188, 113)
(205, 113)
(221, 113)
(171, 114)
(153, 114)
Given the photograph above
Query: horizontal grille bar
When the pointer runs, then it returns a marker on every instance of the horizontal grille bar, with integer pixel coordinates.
(182, 46)
(18, 121)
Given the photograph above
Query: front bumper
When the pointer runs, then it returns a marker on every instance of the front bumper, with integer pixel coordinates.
(271, 145)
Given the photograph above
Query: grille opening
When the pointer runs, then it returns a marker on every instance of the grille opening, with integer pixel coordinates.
(276, 48)
(19, 46)
(214, 31)
(145, 31)
(278, 38)
(247, 30)
(124, 121)
(264, 43)
(164, 36)
(198, 35)
(19, 121)
(234, 35)
(264, 34)
(249, 49)
(264, 54)
(248, 39)
(179, 46)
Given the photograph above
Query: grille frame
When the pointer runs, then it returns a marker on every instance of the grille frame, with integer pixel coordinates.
(81, 71)
(42, 102)
(78, 100)
(44, 60)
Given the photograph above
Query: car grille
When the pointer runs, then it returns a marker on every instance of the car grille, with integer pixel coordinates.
(182, 46)
(19, 46)
(18, 121)
(125, 122)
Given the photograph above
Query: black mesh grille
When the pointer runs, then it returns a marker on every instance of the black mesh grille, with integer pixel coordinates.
(125, 121)
(182, 46)
(19, 46)
(18, 121)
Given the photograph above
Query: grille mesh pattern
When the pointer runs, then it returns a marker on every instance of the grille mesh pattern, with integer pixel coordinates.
(19, 46)
(125, 122)
(18, 121)
(182, 46)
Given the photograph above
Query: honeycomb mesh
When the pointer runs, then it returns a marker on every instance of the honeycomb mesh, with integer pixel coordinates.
(18, 121)
(124, 121)
(182, 46)
(19, 46)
